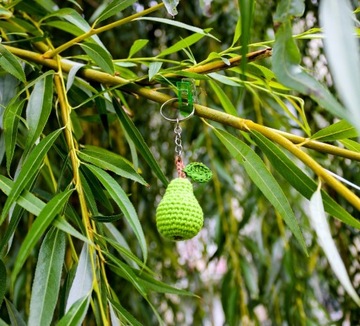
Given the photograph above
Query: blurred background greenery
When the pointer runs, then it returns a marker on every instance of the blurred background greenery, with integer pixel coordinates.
(244, 266)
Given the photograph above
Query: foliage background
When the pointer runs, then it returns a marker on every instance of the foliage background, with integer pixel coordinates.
(245, 266)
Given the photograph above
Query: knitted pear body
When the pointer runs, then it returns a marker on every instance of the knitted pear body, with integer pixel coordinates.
(179, 215)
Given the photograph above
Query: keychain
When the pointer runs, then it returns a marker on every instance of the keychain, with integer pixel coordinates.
(179, 215)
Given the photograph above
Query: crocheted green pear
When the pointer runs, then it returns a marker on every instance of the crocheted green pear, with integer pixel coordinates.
(179, 215)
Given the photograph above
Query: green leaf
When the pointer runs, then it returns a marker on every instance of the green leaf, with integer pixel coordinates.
(124, 314)
(41, 223)
(65, 26)
(94, 191)
(126, 272)
(46, 285)
(11, 64)
(11, 120)
(128, 255)
(73, 17)
(29, 171)
(121, 199)
(259, 174)
(26, 200)
(180, 45)
(246, 13)
(107, 160)
(107, 218)
(223, 98)
(250, 278)
(82, 283)
(287, 9)
(224, 79)
(72, 74)
(170, 6)
(352, 145)
(139, 142)
(180, 25)
(154, 68)
(237, 32)
(137, 46)
(299, 180)
(6, 237)
(76, 314)
(151, 284)
(3, 278)
(321, 226)
(113, 8)
(38, 109)
(100, 56)
(14, 315)
(338, 130)
(342, 46)
(62, 224)
(113, 233)
(286, 59)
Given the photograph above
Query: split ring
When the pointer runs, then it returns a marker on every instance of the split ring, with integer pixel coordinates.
(179, 119)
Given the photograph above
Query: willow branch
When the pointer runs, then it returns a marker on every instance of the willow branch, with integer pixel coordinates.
(151, 94)
(233, 62)
(95, 31)
(217, 65)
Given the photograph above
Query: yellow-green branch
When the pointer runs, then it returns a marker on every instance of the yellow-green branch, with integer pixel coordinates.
(65, 110)
(151, 94)
(95, 31)
(286, 140)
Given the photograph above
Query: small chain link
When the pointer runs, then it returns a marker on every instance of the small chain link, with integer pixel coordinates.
(178, 143)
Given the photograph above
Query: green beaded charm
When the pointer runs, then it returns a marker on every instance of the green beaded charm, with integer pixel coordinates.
(179, 215)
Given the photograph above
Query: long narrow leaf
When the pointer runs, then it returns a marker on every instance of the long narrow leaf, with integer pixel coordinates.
(7, 236)
(26, 200)
(41, 223)
(115, 7)
(77, 21)
(180, 45)
(100, 56)
(286, 59)
(125, 315)
(139, 142)
(62, 224)
(223, 98)
(110, 161)
(82, 284)
(29, 171)
(11, 64)
(45, 289)
(11, 121)
(246, 13)
(121, 199)
(299, 180)
(259, 174)
(339, 130)
(14, 315)
(76, 314)
(321, 226)
(38, 109)
(180, 25)
(341, 45)
(3, 278)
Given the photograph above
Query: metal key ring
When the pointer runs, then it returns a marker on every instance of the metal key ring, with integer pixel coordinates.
(177, 120)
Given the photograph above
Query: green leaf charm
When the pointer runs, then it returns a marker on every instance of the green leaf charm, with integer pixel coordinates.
(179, 215)
(198, 172)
